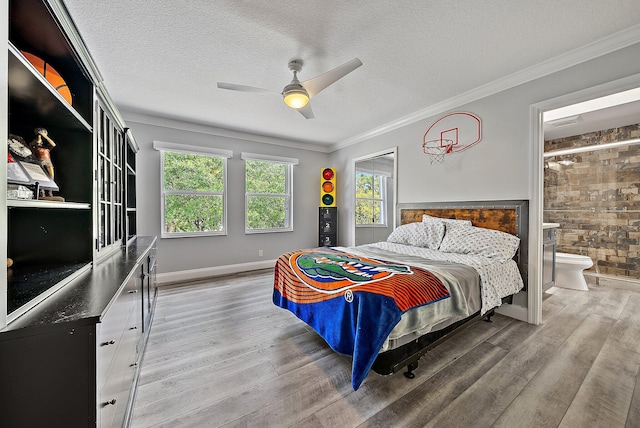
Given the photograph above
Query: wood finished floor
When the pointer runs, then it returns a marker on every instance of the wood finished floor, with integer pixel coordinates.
(221, 354)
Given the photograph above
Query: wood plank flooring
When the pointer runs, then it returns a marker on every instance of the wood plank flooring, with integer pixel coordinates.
(221, 354)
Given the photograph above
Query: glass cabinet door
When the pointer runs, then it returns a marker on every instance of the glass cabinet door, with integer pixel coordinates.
(110, 183)
(129, 191)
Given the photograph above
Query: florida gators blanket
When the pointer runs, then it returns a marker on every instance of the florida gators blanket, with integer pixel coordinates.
(353, 302)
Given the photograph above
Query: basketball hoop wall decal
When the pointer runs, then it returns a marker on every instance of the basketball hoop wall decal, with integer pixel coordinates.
(436, 149)
(452, 133)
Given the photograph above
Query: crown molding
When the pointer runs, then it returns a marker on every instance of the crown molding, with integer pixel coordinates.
(605, 45)
(147, 119)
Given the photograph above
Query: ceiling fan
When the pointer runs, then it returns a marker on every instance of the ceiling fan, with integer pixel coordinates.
(297, 94)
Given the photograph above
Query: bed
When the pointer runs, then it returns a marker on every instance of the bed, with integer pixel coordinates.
(444, 267)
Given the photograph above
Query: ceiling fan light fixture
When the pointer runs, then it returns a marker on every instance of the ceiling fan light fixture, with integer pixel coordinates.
(295, 96)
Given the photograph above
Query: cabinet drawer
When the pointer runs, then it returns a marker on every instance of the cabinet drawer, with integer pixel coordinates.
(111, 329)
(114, 395)
(118, 378)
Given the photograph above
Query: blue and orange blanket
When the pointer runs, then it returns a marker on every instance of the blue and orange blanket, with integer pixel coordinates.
(353, 302)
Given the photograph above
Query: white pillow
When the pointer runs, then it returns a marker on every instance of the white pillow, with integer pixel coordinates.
(490, 243)
(428, 235)
(447, 221)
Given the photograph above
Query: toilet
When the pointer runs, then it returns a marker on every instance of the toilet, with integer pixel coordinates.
(569, 269)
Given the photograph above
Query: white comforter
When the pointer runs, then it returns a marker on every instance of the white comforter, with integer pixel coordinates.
(499, 279)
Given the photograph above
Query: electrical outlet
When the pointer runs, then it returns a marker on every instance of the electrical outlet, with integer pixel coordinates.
(259, 253)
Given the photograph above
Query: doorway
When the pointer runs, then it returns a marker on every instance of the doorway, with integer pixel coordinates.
(567, 120)
(375, 196)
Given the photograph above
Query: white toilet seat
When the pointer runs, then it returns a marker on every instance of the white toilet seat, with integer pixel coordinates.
(574, 259)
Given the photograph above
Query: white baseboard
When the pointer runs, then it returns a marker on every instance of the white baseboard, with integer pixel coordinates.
(514, 311)
(203, 273)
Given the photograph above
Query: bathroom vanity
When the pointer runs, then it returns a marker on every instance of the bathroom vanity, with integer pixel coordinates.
(549, 255)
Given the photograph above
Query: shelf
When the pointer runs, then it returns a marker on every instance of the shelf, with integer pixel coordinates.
(69, 263)
(35, 96)
(29, 282)
(93, 156)
(30, 203)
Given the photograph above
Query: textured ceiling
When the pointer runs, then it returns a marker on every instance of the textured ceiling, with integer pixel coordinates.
(163, 57)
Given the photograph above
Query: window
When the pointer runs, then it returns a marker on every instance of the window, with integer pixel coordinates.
(268, 193)
(371, 194)
(193, 190)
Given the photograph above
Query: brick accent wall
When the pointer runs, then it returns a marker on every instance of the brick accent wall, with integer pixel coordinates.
(595, 197)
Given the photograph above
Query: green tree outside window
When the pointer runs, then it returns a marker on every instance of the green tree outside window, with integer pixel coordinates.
(193, 193)
(370, 199)
(268, 195)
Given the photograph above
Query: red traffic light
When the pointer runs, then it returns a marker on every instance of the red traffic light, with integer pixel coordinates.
(327, 174)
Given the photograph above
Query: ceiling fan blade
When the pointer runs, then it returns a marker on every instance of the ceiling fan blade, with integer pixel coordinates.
(306, 111)
(243, 88)
(315, 85)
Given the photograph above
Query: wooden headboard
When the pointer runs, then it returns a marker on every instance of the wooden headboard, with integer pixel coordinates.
(511, 216)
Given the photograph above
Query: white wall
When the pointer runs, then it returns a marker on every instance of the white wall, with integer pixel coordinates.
(201, 255)
(501, 165)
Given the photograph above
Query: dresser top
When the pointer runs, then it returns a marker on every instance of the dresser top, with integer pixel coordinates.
(85, 299)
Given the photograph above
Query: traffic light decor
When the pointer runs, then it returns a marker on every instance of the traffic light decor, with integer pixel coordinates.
(328, 187)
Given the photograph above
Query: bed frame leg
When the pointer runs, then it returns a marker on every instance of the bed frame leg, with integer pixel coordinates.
(410, 368)
(488, 316)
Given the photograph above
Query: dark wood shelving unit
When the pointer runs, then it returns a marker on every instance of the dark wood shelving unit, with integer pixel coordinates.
(77, 303)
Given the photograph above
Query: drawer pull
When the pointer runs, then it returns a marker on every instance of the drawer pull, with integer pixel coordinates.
(110, 342)
(110, 402)
(134, 365)
(132, 291)
(134, 328)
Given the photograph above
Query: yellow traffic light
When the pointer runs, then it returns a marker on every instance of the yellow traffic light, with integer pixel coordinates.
(328, 187)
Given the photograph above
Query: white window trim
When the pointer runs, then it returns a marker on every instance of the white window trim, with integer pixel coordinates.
(162, 147)
(268, 158)
(371, 171)
(184, 148)
(290, 163)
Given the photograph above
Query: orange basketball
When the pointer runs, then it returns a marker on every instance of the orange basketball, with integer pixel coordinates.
(52, 76)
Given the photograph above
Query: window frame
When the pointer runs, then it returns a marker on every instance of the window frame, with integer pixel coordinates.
(289, 164)
(163, 147)
(383, 199)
